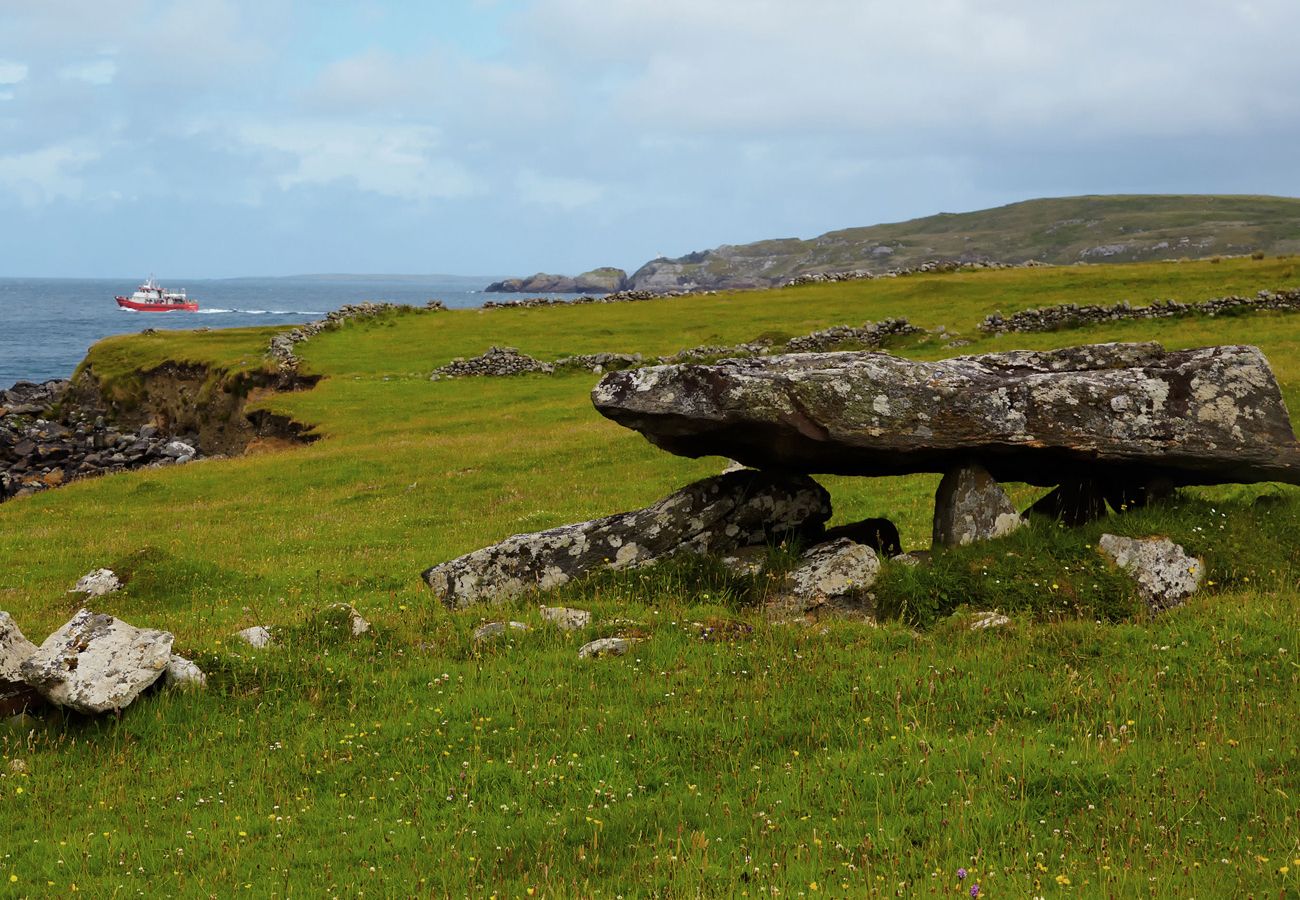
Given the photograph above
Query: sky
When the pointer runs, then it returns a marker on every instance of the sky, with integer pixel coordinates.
(213, 138)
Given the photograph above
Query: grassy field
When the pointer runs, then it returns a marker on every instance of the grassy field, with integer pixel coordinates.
(1084, 749)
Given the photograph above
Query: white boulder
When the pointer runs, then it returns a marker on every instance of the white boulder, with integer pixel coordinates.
(97, 583)
(96, 663)
(1165, 574)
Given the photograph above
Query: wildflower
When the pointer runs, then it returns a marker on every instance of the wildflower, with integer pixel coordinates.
(1063, 880)
(13, 878)
(974, 890)
(812, 886)
(961, 874)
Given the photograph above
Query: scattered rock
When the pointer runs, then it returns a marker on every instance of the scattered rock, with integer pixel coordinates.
(985, 620)
(1165, 574)
(495, 629)
(566, 619)
(912, 559)
(97, 583)
(182, 674)
(342, 618)
(15, 650)
(610, 646)
(713, 515)
(96, 663)
(970, 506)
(836, 574)
(256, 636)
(1115, 412)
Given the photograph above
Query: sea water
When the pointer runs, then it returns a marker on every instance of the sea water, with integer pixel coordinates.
(47, 324)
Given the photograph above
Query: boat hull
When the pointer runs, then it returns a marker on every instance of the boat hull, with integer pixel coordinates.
(127, 303)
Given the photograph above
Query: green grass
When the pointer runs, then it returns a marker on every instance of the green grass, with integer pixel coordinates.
(725, 755)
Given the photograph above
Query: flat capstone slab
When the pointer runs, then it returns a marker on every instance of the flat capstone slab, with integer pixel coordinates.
(1123, 411)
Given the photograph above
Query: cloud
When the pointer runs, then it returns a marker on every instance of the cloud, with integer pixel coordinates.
(370, 81)
(399, 161)
(565, 193)
(98, 72)
(12, 72)
(930, 67)
(42, 176)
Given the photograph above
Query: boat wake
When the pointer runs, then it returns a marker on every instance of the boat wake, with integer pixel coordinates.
(260, 312)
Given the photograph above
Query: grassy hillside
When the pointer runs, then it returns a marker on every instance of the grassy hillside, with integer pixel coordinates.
(1061, 231)
(725, 755)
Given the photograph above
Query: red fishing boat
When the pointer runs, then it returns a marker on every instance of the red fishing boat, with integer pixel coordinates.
(149, 297)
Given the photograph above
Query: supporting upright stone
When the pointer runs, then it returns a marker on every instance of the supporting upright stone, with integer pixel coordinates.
(970, 506)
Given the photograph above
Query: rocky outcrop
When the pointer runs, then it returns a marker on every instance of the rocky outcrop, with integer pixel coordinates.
(713, 515)
(604, 280)
(1121, 412)
(1074, 315)
(970, 506)
(1166, 575)
(96, 663)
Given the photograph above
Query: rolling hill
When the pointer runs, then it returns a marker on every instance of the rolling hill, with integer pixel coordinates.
(1062, 231)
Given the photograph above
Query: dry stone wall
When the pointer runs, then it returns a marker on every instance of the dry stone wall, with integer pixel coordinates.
(1074, 315)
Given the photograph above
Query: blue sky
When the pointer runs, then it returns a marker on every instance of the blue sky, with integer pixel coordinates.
(225, 137)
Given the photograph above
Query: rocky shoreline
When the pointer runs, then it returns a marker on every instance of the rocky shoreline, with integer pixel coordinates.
(46, 441)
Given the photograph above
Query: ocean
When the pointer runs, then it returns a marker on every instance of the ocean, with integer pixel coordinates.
(47, 324)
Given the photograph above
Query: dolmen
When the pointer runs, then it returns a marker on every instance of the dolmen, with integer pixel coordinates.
(1115, 412)
(1117, 424)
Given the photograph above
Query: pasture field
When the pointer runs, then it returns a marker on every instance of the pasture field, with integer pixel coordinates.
(1084, 749)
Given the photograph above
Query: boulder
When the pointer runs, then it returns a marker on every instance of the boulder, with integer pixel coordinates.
(970, 506)
(983, 621)
(256, 636)
(15, 650)
(1116, 412)
(836, 573)
(566, 619)
(610, 646)
(96, 663)
(496, 629)
(1165, 574)
(97, 583)
(183, 675)
(713, 515)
